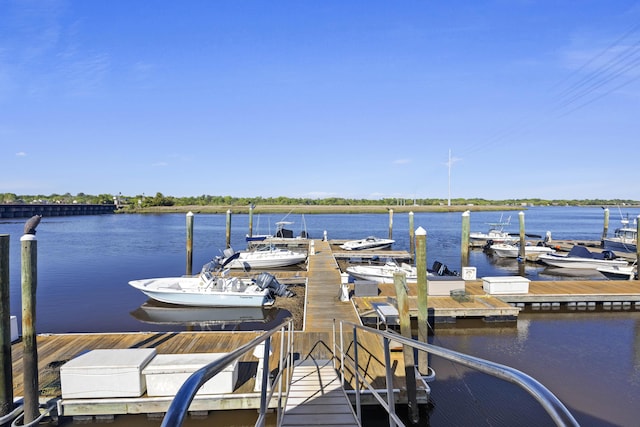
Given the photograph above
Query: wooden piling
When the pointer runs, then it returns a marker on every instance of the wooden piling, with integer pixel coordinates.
(412, 236)
(637, 245)
(189, 243)
(521, 251)
(6, 380)
(423, 291)
(251, 206)
(464, 243)
(391, 223)
(29, 252)
(228, 228)
(400, 283)
(605, 228)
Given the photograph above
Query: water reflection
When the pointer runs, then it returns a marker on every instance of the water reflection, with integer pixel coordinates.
(208, 318)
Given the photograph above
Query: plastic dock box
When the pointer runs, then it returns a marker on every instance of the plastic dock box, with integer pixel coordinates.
(14, 329)
(106, 373)
(443, 285)
(166, 373)
(505, 285)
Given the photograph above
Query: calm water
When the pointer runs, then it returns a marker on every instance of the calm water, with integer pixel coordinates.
(589, 360)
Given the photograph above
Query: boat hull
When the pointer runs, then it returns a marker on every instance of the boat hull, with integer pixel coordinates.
(512, 251)
(576, 262)
(188, 291)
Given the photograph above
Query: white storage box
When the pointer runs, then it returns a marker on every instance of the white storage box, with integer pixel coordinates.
(443, 285)
(14, 329)
(166, 373)
(505, 285)
(106, 373)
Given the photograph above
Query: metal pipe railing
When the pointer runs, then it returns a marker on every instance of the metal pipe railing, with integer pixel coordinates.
(180, 404)
(551, 404)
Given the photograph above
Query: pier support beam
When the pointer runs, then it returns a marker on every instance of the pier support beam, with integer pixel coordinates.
(189, 243)
(391, 223)
(6, 380)
(400, 283)
(29, 246)
(228, 228)
(412, 236)
(605, 228)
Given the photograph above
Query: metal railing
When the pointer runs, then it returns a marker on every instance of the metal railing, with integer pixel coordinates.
(180, 405)
(551, 404)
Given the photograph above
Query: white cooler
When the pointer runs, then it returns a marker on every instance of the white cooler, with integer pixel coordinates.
(106, 373)
(166, 373)
(505, 285)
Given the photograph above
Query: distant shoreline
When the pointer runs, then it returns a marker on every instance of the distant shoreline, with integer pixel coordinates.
(316, 209)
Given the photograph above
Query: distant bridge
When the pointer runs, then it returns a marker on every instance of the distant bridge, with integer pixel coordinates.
(53, 209)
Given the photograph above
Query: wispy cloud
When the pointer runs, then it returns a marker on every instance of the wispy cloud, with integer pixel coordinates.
(21, 154)
(160, 164)
(401, 161)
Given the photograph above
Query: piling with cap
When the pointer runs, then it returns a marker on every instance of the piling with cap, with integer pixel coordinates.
(423, 292)
(391, 223)
(464, 241)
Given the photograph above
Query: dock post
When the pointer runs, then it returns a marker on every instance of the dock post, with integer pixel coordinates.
(228, 228)
(464, 244)
(251, 206)
(29, 251)
(189, 243)
(391, 223)
(637, 246)
(605, 229)
(412, 236)
(400, 283)
(423, 292)
(521, 251)
(6, 388)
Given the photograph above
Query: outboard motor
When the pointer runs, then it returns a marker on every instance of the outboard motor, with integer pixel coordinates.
(268, 281)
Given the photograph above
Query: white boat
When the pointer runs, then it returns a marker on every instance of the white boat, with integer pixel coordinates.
(495, 234)
(370, 242)
(383, 273)
(531, 252)
(211, 290)
(581, 257)
(625, 238)
(267, 256)
(615, 272)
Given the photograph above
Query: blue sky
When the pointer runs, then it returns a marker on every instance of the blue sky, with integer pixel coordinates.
(357, 99)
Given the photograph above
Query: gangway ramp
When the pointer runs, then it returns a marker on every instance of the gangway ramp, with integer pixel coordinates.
(316, 398)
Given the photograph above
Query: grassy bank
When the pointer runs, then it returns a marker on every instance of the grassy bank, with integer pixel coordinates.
(314, 209)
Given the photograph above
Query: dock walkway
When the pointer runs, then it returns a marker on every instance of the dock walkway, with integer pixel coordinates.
(316, 398)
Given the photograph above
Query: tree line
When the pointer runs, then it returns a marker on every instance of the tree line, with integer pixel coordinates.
(159, 199)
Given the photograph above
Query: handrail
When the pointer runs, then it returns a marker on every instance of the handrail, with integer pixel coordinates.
(182, 400)
(552, 405)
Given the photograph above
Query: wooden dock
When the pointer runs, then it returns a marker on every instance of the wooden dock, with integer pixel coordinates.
(312, 342)
(316, 398)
